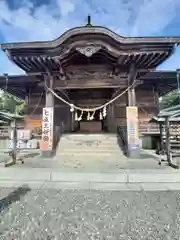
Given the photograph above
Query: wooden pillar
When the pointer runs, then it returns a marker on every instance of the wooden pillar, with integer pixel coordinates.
(131, 96)
(48, 137)
(161, 137)
(49, 95)
(133, 146)
(156, 98)
(168, 146)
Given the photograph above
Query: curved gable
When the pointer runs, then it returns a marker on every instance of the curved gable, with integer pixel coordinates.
(97, 30)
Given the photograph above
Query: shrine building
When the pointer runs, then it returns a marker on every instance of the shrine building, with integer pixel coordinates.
(91, 80)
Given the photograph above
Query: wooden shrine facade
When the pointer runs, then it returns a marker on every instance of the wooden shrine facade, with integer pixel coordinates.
(88, 67)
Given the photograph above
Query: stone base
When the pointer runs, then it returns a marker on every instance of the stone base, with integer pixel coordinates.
(47, 154)
(91, 126)
(147, 142)
(133, 153)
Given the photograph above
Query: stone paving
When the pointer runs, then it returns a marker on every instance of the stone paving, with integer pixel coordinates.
(88, 214)
(89, 152)
(95, 164)
(87, 163)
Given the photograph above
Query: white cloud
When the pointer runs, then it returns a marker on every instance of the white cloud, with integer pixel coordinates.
(154, 15)
(29, 22)
(65, 7)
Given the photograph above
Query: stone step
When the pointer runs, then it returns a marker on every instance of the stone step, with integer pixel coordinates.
(69, 145)
(90, 140)
(91, 160)
(89, 137)
(89, 150)
(110, 146)
(109, 154)
(73, 146)
(86, 145)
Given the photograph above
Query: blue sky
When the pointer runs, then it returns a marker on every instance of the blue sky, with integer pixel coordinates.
(23, 20)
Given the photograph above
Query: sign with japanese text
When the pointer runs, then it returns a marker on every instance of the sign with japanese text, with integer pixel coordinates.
(47, 129)
(132, 127)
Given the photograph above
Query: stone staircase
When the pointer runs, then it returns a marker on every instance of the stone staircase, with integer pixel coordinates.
(89, 147)
(96, 153)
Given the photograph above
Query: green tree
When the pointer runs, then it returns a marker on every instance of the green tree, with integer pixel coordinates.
(10, 103)
(171, 99)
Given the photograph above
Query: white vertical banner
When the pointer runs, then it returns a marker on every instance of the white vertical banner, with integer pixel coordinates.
(47, 129)
(132, 127)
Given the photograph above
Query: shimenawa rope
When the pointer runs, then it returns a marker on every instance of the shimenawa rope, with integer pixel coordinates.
(89, 109)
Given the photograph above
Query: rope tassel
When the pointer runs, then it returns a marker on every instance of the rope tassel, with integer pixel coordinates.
(104, 112)
(80, 117)
(88, 116)
(92, 116)
(72, 108)
(76, 116)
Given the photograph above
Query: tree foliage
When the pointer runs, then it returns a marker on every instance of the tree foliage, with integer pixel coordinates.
(170, 99)
(10, 103)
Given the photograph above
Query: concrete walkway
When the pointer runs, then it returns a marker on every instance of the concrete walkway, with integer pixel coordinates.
(122, 176)
(128, 180)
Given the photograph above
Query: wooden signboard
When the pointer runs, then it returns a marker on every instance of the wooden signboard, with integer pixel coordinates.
(47, 129)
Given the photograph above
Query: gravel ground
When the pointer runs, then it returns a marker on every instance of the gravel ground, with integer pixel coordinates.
(88, 214)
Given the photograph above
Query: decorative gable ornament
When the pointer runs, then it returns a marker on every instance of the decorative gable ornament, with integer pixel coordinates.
(88, 51)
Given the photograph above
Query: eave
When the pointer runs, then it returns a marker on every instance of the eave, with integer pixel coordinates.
(91, 30)
(163, 81)
(22, 80)
(145, 52)
(18, 85)
(142, 60)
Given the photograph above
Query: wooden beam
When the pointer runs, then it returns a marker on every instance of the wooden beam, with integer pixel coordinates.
(102, 83)
(118, 91)
(131, 91)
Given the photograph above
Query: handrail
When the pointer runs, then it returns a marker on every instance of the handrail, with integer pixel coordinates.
(122, 133)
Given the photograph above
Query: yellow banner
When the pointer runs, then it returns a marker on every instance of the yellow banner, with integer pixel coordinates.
(30, 123)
